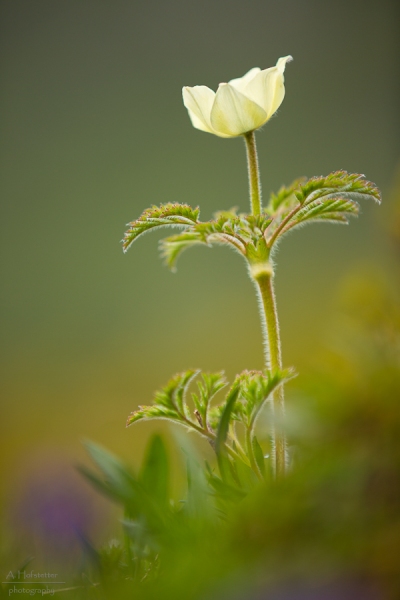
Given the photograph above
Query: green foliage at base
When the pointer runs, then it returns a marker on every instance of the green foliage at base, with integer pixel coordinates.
(243, 404)
(335, 518)
(331, 527)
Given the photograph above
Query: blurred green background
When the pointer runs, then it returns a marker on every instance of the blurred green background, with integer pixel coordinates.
(93, 131)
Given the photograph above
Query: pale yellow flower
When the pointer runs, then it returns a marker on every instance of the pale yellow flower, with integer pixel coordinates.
(240, 106)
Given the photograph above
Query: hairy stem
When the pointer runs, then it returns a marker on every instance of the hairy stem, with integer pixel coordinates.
(262, 274)
(254, 175)
(269, 316)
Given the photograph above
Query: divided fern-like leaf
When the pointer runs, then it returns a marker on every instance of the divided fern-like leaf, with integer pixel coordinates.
(255, 389)
(172, 247)
(171, 214)
(209, 385)
(331, 198)
(334, 209)
(170, 402)
(338, 181)
(208, 233)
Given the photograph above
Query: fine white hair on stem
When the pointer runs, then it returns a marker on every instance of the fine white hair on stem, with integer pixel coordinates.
(264, 330)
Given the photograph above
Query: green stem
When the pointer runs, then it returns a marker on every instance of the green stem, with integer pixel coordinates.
(254, 175)
(269, 316)
(262, 273)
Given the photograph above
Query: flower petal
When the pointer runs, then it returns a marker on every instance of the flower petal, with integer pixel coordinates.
(280, 87)
(267, 87)
(241, 82)
(197, 123)
(234, 114)
(199, 100)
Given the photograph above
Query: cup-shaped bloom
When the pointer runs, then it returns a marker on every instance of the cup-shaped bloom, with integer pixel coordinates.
(240, 106)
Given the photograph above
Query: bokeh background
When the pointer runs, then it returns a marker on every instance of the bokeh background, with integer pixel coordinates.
(93, 131)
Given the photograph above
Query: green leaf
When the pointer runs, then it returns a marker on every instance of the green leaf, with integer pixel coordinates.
(258, 251)
(255, 390)
(172, 247)
(338, 181)
(235, 231)
(222, 433)
(117, 476)
(154, 476)
(145, 413)
(177, 390)
(197, 503)
(208, 386)
(223, 426)
(223, 232)
(266, 386)
(170, 402)
(100, 485)
(171, 214)
(120, 484)
(223, 490)
(258, 454)
(334, 209)
(285, 198)
(331, 198)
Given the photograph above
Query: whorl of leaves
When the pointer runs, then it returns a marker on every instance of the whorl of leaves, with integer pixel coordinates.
(243, 402)
(171, 214)
(331, 198)
(237, 231)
